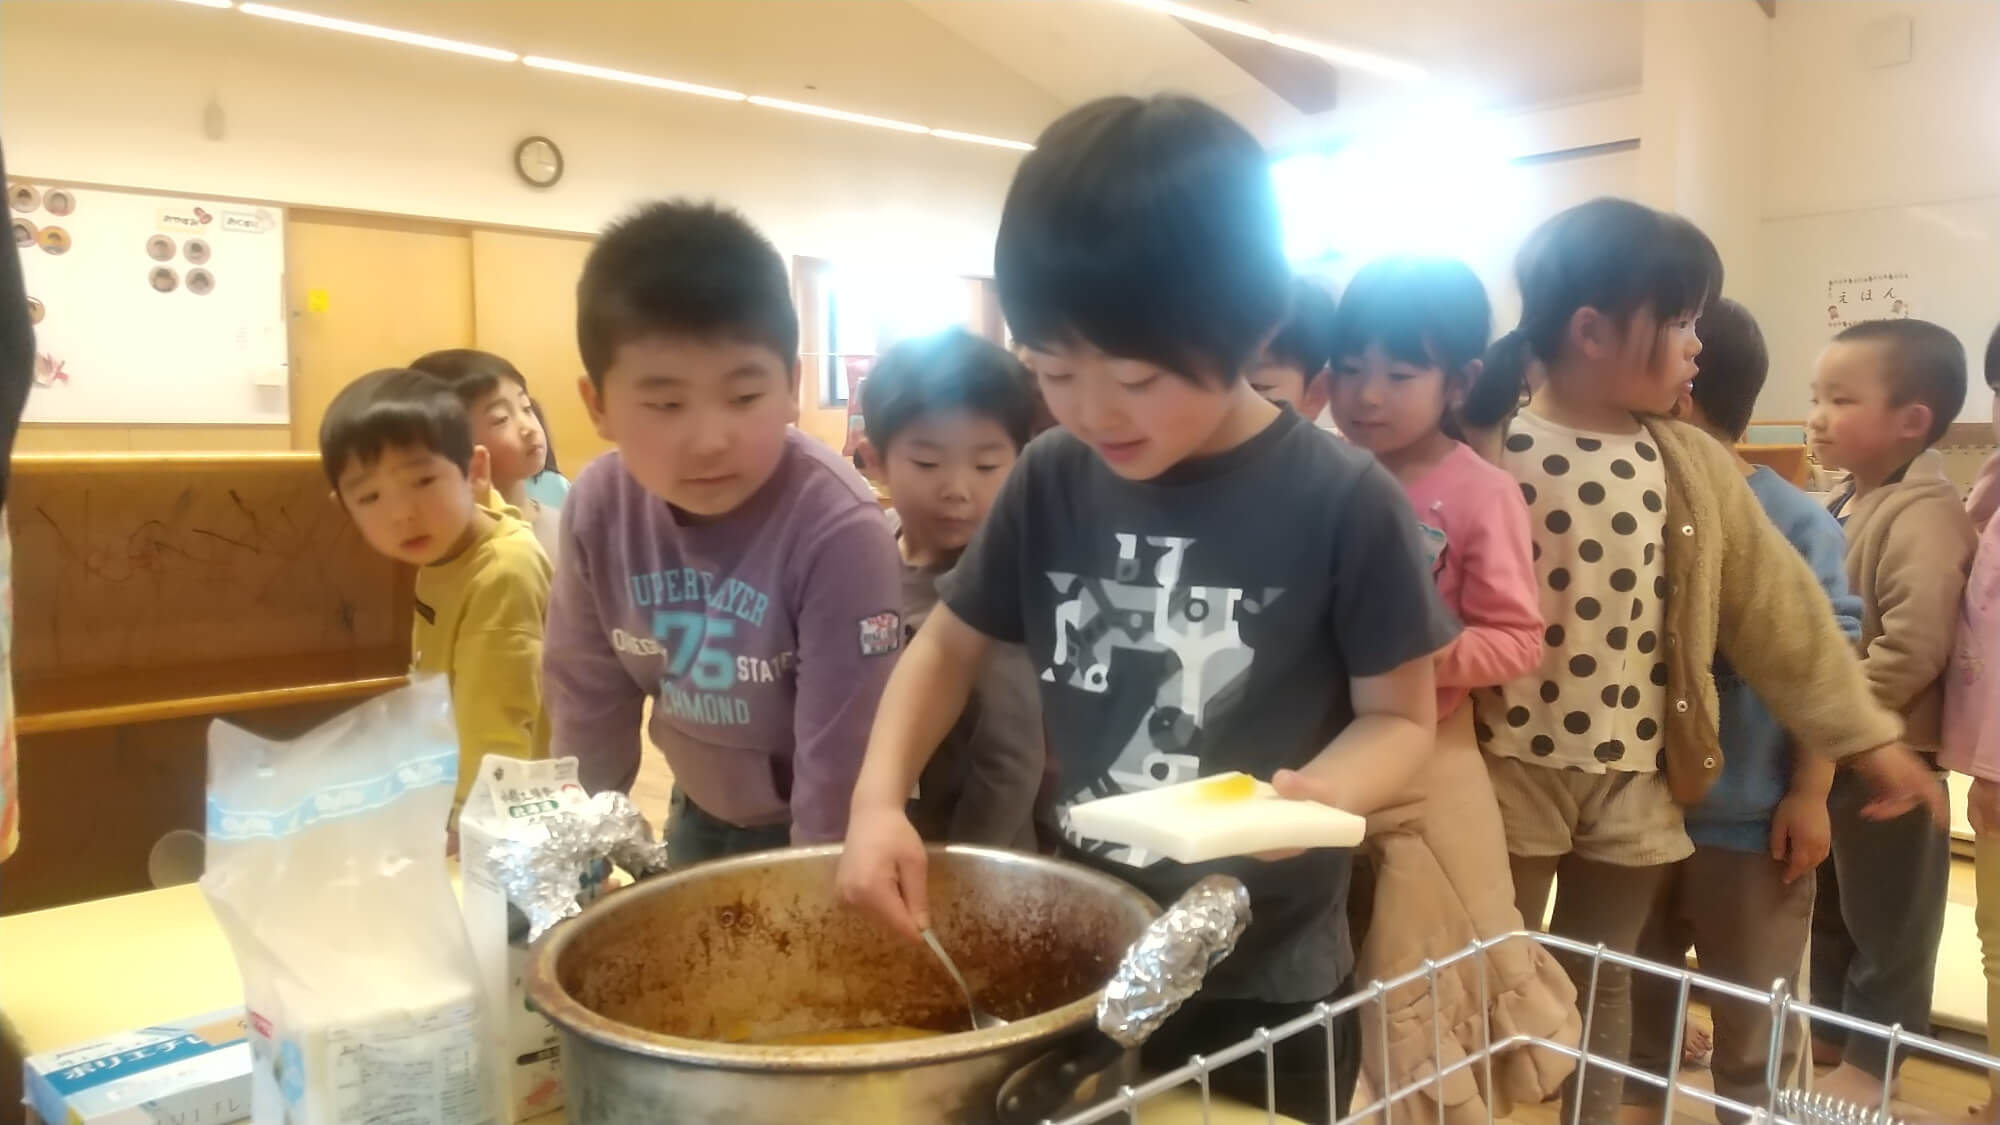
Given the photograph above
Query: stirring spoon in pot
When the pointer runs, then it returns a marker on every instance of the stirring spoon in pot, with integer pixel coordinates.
(981, 1021)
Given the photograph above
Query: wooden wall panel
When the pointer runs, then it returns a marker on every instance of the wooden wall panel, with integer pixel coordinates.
(524, 309)
(364, 293)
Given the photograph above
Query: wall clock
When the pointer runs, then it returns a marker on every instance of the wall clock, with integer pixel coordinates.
(538, 162)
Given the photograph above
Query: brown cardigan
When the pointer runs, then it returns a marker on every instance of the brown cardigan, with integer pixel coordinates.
(1737, 587)
(1909, 548)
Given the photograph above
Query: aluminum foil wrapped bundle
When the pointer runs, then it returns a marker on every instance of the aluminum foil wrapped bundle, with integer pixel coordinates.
(545, 876)
(1168, 963)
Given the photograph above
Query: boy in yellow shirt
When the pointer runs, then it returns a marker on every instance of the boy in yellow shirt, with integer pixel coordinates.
(398, 450)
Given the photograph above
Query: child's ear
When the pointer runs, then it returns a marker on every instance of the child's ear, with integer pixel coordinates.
(1592, 333)
(1913, 421)
(1457, 387)
(871, 460)
(593, 403)
(479, 470)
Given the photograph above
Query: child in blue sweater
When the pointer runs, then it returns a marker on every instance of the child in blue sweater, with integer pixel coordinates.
(1744, 900)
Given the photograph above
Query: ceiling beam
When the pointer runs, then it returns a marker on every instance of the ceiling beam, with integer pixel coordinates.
(1770, 7)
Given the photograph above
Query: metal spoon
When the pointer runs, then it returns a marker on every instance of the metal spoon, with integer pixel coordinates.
(981, 1020)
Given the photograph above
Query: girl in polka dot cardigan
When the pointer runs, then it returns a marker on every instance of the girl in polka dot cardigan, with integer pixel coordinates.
(1651, 558)
(1406, 341)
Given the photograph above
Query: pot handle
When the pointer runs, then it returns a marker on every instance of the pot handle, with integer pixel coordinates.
(1047, 1083)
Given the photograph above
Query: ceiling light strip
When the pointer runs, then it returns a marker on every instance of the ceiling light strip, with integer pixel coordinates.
(373, 31)
(981, 139)
(832, 114)
(609, 74)
(585, 70)
(1350, 57)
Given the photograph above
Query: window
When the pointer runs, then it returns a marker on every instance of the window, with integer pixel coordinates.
(849, 314)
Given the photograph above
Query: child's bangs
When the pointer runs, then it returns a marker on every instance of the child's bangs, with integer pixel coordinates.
(1061, 288)
(384, 426)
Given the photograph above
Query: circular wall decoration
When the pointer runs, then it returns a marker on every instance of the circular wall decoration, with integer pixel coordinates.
(55, 240)
(196, 251)
(59, 201)
(160, 248)
(23, 197)
(35, 310)
(164, 280)
(538, 162)
(24, 233)
(200, 282)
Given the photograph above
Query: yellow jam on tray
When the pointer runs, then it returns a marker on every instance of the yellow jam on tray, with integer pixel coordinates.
(1226, 788)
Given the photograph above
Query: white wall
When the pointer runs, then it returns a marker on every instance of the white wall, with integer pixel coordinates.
(1845, 137)
(114, 94)
(1703, 123)
(1857, 154)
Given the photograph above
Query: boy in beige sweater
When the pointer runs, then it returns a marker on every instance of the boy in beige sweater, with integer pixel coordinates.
(1885, 392)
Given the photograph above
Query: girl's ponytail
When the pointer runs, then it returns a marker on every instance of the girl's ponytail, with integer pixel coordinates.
(1497, 391)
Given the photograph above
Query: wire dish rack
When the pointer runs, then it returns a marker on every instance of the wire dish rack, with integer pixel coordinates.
(1789, 1103)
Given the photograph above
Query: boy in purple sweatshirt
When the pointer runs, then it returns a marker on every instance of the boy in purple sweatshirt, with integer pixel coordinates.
(735, 570)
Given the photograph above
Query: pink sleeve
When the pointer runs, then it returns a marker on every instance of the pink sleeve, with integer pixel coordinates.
(1985, 494)
(1499, 605)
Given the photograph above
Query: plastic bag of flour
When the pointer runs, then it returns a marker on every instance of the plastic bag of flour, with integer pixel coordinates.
(326, 869)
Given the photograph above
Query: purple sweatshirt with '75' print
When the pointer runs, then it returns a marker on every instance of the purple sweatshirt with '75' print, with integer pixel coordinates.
(763, 638)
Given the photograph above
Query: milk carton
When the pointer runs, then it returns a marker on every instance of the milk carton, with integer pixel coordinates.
(511, 800)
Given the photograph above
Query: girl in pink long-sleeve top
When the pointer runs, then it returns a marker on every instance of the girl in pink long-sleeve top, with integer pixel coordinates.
(1972, 734)
(1407, 342)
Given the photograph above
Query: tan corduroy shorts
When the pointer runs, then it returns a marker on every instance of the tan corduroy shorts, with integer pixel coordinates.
(1621, 818)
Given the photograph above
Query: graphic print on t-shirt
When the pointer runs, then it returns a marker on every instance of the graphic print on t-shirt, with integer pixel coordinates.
(1142, 627)
(709, 633)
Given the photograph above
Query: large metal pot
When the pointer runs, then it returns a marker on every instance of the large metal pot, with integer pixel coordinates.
(655, 990)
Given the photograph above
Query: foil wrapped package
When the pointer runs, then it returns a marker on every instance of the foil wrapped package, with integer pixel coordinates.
(1168, 963)
(543, 874)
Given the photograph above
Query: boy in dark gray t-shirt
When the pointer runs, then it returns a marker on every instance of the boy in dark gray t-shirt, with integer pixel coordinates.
(945, 417)
(1203, 582)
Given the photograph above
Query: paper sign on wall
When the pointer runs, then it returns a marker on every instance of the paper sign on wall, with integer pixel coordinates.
(1868, 296)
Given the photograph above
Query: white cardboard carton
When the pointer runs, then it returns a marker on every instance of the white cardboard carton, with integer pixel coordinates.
(192, 1070)
(510, 800)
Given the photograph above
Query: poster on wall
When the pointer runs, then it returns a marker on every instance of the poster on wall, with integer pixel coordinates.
(152, 308)
(1860, 297)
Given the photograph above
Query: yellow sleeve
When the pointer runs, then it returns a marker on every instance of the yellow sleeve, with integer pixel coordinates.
(496, 670)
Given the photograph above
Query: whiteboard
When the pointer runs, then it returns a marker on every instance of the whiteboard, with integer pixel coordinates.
(152, 308)
(1942, 259)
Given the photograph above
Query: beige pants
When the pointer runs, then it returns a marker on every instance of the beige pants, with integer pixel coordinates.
(1610, 837)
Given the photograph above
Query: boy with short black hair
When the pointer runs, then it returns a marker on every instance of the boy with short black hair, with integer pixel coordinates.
(1743, 900)
(1288, 373)
(735, 570)
(1148, 554)
(505, 421)
(1885, 392)
(399, 454)
(946, 416)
